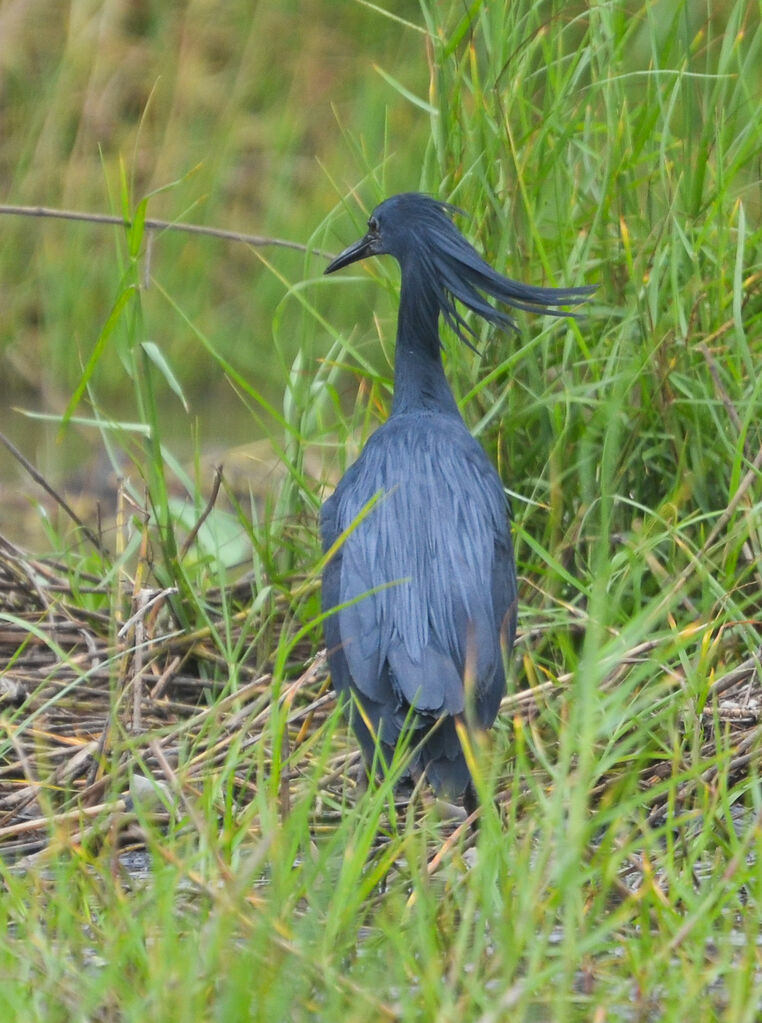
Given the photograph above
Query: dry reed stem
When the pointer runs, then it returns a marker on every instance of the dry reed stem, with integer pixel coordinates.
(84, 707)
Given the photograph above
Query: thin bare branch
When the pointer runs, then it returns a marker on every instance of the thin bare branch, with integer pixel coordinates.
(38, 478)
(257, 240)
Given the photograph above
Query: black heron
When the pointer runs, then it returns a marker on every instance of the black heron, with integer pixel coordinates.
(425, 579)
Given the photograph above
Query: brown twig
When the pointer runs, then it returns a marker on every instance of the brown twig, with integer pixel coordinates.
(40, 479)
(151, 224)
(205, 513)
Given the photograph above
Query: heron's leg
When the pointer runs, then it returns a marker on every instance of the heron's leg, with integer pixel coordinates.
(471, 801)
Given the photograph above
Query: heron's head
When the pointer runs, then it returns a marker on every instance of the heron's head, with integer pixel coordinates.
(405, 225)
(435, 258)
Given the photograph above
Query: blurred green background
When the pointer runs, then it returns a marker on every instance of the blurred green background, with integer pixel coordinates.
(264, 115)
(264, 118)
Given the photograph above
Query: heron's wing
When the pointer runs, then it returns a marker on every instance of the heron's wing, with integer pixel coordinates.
(375, 710)
(422, 572)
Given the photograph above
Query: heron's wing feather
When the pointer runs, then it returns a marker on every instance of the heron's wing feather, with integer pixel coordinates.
(420, 574)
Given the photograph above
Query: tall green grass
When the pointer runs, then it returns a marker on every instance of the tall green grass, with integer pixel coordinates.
(610, 144)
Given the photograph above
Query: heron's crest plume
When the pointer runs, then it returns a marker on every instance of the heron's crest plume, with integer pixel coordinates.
(454, 270)
(435, 257)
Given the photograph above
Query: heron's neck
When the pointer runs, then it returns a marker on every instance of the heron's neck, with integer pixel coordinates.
(419, 379)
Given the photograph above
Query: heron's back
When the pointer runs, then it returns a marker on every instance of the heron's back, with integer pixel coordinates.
(429, 577)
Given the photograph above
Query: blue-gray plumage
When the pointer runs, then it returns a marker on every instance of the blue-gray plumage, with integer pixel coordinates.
(425, 580)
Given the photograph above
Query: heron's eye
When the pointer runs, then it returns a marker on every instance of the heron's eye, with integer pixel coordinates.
(373, 225)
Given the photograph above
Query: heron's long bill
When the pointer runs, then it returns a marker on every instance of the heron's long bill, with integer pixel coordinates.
(357, 251)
